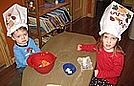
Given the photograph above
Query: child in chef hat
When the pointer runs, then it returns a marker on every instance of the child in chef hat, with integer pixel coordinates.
(15, 19)
(109, 55)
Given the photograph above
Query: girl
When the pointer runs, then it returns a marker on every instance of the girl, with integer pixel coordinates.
(110, 60)
(109, 55)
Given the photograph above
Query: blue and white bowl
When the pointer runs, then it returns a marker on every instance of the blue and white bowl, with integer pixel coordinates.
(69, 68)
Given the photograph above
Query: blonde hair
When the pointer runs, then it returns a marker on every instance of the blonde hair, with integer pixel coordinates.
(117, 47)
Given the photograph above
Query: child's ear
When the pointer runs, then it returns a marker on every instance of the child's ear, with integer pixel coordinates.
(13, 38)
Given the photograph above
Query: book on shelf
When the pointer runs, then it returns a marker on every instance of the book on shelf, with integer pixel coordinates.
(63, 15)
(58, 22)
(32, 24)
(68, 15)
(50, 24)
(50, 28)
(52, 20)
(59, 18)
(43, 24)
(47, 26)
(56, 19)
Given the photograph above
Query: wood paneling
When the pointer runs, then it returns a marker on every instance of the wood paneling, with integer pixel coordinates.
(92, 8)
(5, 57)
(77, 9)
(82, 8)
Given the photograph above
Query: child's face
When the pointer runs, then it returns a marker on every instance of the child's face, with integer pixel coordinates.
(109, 42)
(21, 37)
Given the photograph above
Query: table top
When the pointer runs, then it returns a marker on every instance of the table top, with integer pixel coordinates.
(64, 47)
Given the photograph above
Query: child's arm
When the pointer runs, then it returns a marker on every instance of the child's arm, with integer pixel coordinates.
(86, 47)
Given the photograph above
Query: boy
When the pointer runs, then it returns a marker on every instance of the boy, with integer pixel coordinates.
(15, 19)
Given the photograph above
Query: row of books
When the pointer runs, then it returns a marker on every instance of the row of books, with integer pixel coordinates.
(56, 19)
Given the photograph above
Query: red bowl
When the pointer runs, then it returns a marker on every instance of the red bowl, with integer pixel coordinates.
(36, 61)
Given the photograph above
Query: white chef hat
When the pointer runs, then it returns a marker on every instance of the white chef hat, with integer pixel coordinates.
(14, 18)
(115, 20)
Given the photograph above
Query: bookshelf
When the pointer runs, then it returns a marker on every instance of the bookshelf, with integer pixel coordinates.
(40, 10)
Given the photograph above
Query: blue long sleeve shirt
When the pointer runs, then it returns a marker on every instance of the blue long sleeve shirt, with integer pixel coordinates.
(21, 53)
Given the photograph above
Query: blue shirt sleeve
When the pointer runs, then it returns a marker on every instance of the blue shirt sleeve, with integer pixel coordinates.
(34, 46)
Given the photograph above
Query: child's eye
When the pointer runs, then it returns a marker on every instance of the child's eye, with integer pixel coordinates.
(25, 34)
(114, 38)
(105, 36)
(18, 36)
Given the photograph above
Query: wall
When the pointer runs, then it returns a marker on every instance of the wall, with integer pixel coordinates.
(5, 4)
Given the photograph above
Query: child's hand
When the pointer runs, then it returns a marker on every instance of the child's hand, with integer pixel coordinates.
(79, 47)
(96, 72)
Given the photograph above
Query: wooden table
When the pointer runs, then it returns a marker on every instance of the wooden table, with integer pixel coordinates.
(64, 47)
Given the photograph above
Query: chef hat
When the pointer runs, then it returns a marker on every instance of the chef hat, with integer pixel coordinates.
(14, 18)
(115, 20)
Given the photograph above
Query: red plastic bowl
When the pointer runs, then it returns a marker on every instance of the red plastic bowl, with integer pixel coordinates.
(35, 61)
